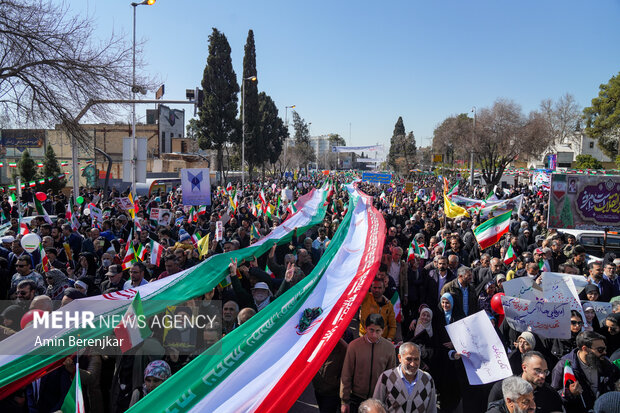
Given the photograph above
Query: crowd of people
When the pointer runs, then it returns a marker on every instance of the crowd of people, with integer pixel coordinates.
(395, 357)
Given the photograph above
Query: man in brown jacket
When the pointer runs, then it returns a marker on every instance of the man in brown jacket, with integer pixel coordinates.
(367, 357)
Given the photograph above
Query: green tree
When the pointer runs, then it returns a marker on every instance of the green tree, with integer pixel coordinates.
(399, 132)
(254, 146)
(603, 117)
(302, 131)
(272, 131)
(332, 157)
(27, 167)
(303, 151)
(218, 124)
(192, 129)
(51, 169)
(587, 162)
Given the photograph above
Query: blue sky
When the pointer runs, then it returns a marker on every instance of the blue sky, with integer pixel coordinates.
(366, 63)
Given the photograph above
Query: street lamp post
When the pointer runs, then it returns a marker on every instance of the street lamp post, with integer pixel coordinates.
(134, 89)
(253, 79)
(471, 153)
(286, 108)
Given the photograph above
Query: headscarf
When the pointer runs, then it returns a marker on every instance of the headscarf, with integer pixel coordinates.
(158, 369)
(428, 326)
(447, 314)
(59, 284)
(591, 287)
(13, 312)
(529, 337)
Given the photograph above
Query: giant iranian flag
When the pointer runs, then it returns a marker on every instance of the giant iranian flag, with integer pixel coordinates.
(266, 363)
(21, 361)
(490, 231)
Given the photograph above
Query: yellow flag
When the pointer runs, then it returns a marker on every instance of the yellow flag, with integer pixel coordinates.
(203, 245)
(451, 209)
(132, 211)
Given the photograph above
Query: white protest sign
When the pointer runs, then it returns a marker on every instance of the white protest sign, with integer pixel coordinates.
(124, 203)
(561, 289)
(523, 287)
(579, 281)
(164, 217)
(96, 213)
(482, 351)
(154, 215)
(287, 194)
(219, 230)
(601, 309)
(548, 320)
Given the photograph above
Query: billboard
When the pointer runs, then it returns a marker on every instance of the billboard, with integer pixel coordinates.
(171, 125)
(376, 177)
(196, 186)
(17, 140)
(586, 202)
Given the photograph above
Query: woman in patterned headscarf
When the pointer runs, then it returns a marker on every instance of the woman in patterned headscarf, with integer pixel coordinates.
(57, 283)
(154, 374)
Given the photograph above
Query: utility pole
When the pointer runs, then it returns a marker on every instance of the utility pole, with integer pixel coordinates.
(471, 153)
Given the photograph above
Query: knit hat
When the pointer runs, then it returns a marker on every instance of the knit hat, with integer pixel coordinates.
(183, 235)
(608, 403)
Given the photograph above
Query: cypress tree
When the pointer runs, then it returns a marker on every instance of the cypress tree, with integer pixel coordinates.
(51, 169)
(218, 123)
(255, 151)
(395, 148)
(27, 167)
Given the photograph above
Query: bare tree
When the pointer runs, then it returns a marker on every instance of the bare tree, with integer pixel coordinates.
(453, 138)
(563, 118)
(503, 133)
(51, 65)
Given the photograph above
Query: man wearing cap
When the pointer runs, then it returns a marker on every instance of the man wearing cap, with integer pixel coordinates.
(262, 295)
(5, 248)
(539, 258)
(114, 279)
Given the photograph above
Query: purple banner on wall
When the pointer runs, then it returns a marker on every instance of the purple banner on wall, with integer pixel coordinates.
(584, 202)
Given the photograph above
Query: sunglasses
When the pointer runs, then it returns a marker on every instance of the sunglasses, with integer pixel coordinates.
(576, 323)
(21, 265)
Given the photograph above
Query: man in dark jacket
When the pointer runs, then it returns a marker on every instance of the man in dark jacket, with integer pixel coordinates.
(463, 293)
(534, 372)
(435, 281)
(594, 373)
(518, 397)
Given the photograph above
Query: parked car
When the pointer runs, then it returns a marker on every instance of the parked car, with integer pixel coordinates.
(592, 241)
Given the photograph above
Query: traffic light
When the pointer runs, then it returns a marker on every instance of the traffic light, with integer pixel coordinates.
(196, 96)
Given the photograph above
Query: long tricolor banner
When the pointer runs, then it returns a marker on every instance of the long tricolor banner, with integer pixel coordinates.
(266, 363)
(15, 368)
